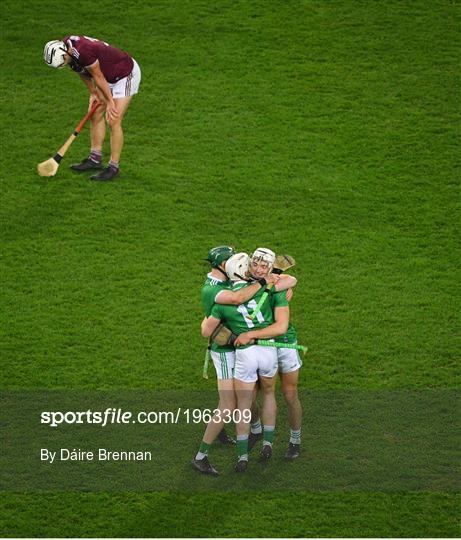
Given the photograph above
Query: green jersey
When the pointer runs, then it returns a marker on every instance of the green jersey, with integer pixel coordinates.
(236, 318)
(210, 290)
(280, 300)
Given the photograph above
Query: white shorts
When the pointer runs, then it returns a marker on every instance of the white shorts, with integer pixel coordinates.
(255, 361)
(128, 86)
(288, 360)
(224, 364)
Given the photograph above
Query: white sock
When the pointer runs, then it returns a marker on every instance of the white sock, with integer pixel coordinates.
(295, 436)
(256, 427)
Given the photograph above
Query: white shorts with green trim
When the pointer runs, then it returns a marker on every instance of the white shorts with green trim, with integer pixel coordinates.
(224, 364)
(255, 361)
(288, 360)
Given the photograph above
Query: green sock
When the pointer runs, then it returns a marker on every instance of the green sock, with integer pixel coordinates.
(242, 445)
(203, 450)
(204, 447)
(269, 434)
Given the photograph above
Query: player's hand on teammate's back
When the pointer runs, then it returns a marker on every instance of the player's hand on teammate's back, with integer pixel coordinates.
(289, 294)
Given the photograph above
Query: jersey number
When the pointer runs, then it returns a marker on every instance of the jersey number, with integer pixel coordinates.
(246, 316)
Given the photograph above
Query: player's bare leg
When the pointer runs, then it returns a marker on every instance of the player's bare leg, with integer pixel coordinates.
(116, 131)
(97, 129)
(290, 393)
(268, 415)
(256, 429)
(97, 135)
(116, 140)
(244, 393)
(226, 406)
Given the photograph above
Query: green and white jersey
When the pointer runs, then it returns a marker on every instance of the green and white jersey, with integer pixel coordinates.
(280, 300)
(237, 319)
(210, 289)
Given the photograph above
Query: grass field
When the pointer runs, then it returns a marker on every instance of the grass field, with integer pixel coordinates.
(325, 129)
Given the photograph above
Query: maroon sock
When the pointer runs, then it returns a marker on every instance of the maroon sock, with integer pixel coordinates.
(96, 156)
(113, 165)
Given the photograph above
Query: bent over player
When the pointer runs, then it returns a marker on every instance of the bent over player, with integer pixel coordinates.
(112, 77)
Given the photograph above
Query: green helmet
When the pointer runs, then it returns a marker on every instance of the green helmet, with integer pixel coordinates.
(219, 254)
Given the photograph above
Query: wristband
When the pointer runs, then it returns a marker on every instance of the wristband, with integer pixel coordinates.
(262, 282)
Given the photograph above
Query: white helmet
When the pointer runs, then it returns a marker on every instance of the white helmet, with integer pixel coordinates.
(264, 254)
(54, 53)
(237, 267)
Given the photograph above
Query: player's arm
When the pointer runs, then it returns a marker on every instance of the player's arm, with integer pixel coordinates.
(103, 86)
(285, 282)
(278, 328)
(209, 326)
(88, 83)
(235, 298)
(203, 322)
(96, 96)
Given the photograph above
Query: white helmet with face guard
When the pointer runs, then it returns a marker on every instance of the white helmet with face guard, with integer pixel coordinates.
(264, 254)
(237, 267)
(54, 53)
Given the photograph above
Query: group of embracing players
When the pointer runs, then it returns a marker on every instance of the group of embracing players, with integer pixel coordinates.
(248, 297)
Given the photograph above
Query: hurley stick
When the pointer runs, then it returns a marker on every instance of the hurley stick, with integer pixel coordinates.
(259, 305)
(50, 166)
(206, 361)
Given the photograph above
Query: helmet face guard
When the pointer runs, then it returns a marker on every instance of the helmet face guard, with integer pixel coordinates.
(264, 255)
(54, 53)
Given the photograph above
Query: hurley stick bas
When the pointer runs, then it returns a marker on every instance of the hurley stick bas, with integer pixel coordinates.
(281, 264)
(206, 361)
(50, 166)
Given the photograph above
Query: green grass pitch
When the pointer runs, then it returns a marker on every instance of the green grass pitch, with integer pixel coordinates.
(325, 129)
